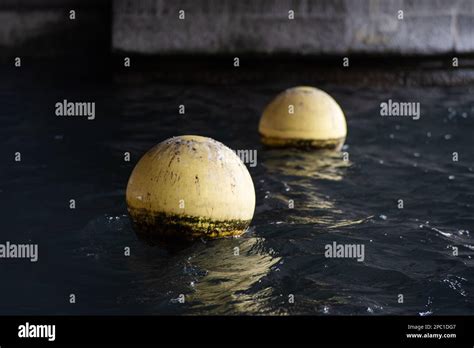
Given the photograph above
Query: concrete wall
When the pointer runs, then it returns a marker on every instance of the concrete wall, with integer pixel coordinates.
(42, 27)
(319, 27)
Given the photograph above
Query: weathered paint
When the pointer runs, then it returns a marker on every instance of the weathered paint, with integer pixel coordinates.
(188, 187)
(155, 226)
(329, 144)
(303, 117)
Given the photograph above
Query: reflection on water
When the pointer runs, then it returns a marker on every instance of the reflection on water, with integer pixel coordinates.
(306, 165)
(214, 276)
(302, 172)
(305, 200)
(231, 271)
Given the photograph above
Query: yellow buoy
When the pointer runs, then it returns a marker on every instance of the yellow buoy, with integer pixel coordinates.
(303, 117)
(189, 187)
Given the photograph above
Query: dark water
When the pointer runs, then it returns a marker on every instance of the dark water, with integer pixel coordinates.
(408, 251)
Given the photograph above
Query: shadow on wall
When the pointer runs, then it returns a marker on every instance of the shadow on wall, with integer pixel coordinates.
(51, 28)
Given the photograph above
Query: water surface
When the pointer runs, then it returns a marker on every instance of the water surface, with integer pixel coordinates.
(408, 251)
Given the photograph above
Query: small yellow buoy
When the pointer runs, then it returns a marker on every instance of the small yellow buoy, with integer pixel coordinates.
(303, 117)
(189, 187)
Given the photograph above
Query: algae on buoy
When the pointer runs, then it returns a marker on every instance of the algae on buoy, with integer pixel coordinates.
(303, 117)
(189, 187)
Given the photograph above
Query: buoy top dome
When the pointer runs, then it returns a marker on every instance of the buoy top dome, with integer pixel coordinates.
(304, 89)
(197, 138)
(205, 175)
(303, 112)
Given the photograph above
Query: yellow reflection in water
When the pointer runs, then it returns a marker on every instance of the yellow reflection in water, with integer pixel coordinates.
(222, 289)
(299, 171)
(323, 164)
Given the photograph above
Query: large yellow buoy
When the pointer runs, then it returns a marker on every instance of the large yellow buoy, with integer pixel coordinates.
(189, 187)
(303, 117)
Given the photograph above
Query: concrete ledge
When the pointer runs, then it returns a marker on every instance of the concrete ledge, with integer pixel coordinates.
(320, 27)
(374, 71)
